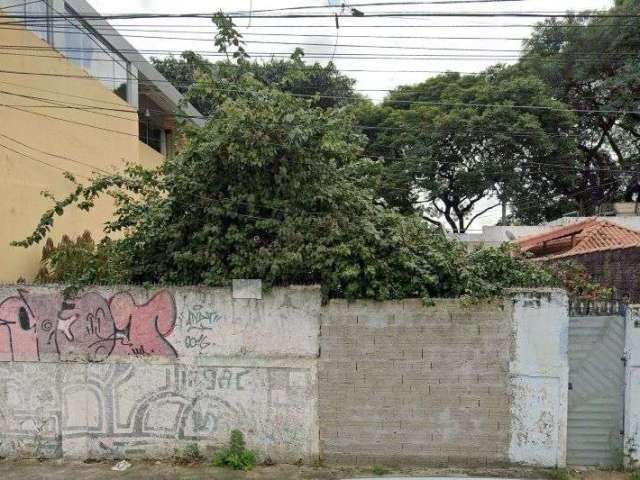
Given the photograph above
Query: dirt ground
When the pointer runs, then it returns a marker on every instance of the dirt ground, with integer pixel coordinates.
(57, 470)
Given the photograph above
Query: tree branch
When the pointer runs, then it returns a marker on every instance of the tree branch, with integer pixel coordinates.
(615, 147)
(433, 221)
(450, 221)
(481, 213)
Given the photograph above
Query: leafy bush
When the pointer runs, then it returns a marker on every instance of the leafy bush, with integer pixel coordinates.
(577, 281)
(272, 188)
(80, 262)
(236, 456)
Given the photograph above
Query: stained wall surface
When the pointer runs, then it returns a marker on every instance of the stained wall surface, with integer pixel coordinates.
(447, 384)
(128, 372)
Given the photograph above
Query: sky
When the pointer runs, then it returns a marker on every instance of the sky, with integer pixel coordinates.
(487, 41)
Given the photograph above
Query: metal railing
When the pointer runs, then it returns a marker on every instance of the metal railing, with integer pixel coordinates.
(587, 307)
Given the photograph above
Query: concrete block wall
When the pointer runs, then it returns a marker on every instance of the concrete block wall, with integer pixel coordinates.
(126, 372)
(443, 384)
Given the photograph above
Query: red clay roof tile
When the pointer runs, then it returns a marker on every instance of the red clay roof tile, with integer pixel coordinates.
(593, 235)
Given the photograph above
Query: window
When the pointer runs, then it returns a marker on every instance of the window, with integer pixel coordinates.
(40, 12)
(32, 13)
(88, 50)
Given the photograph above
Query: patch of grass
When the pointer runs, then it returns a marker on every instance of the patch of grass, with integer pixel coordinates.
(559, 474)
(635, 475)
(236, 456)
(189, 455)
(380, 470)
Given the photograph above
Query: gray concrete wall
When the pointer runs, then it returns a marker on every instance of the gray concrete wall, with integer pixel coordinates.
(444, 384)
(117, 372)
(126, 372)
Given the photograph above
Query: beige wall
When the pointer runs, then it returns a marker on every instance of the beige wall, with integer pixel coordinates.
(89, 141)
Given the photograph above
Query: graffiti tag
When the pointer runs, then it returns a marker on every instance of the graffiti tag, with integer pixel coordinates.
(89, 326)
(198, 318)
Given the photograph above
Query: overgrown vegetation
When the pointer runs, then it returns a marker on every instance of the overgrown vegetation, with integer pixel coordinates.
(78, 262)
(236, 456)
(284, 198)
(279, 187)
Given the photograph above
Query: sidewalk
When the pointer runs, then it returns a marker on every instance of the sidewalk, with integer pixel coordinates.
(147, 470)
(144, 470)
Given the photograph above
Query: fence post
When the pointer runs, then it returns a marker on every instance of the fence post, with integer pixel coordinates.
(632, 386)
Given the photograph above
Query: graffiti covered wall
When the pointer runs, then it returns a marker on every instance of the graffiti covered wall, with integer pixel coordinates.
(127, 372)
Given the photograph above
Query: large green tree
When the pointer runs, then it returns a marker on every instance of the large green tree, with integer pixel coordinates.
(323, 84)
(271, 187)
(591, 65)
(453, 141)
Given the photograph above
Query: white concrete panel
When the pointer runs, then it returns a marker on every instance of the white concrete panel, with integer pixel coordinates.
(632, 387)
(539, 378)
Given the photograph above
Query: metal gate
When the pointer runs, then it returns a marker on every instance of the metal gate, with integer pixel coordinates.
(596, 388)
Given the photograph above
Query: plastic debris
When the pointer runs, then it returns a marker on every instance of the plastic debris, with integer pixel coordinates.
(121, 466)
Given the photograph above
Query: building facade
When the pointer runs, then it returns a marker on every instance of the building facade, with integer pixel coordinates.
(75, 97)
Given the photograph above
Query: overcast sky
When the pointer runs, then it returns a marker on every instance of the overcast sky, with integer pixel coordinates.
(495, 33)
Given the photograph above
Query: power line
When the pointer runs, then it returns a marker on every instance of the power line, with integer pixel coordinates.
(78, 106)
(380, 4)
(206, 53)
(320, 56)
(62, 157)
(332, 25)
(267, 34)
(37, 160)
(21, 4)
(64, 94)
(135, 16)
(215, 52)
(107, 77)
(514, 134)
(437, 103)
(66, 120)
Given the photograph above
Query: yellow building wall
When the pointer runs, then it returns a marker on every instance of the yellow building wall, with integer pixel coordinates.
(38, 141)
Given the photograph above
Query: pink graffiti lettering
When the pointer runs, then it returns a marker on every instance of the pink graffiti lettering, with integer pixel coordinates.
(18, 341)
(146, 325)
(85, 328)
(89, 327)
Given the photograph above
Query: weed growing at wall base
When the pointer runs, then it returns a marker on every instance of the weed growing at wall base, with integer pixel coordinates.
(236, 456)
(559, 474)
(190, 454)
(379, 470)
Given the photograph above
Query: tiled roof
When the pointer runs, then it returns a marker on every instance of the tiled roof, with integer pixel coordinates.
(592, 235)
